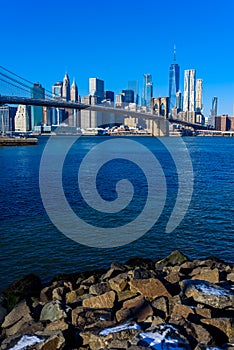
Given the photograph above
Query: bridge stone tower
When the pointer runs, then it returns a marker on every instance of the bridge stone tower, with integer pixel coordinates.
(160, 106)
(158, 127)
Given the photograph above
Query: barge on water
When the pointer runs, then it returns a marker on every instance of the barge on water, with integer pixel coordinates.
(18, 141)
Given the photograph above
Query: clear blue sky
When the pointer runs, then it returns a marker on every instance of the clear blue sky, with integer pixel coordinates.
(121, 40)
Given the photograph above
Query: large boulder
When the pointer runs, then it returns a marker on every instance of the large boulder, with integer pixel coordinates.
(206, 274)
(208, 293)
(161, 306)
(149, 288)
(53, 340)
(162, 337)
(119, 282)
(175, 258)
(104, 301)
(54, 310)
(137, 308)
(14, 321)
(195, 333)
(86, 317)
(225, 325)
(18, 341)
(110, 338)
(99, 288)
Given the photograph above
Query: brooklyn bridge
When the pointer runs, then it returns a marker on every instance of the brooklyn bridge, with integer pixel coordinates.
(16, 90)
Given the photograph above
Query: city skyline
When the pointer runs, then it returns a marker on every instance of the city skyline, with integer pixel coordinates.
(121, 44)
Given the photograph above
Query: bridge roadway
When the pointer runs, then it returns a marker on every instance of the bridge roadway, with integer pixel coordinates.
(97, 108)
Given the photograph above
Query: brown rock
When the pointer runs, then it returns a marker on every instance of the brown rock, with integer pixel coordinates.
(175, 258)
(172, 277)
(57, 325)
(182, 310)
(99, 288)
(11, 341)
(187, 267)
(137, 308)
(54, 341)
(203, 312)
(154, 321)
(89, 281)
(59, 293)
(74, 295)
(110, 341)
(126, 294)
(162, 306)
(46, 294)
(171, 269)
(112, 272)
(208, 293)
(206, 274)
(230, 277)
(20, 312)
(31, 327)
(150, 288)
(194, 332)
(140, 273)
(84, 317)
(103, 301)
(226, 325)
(119, 282)
(173, 301)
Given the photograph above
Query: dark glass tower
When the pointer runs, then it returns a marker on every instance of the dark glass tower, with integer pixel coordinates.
(147, 92)
(174, 82)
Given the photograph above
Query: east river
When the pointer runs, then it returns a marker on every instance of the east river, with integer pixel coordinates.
(30, 242)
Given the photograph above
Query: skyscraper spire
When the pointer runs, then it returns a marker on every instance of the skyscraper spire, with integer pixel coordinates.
(174, 53)
(66, 87)
(74, 91)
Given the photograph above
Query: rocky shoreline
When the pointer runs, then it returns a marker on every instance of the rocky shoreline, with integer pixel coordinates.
(174, 303)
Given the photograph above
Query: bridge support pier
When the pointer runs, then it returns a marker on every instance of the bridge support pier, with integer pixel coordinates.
(159, 127)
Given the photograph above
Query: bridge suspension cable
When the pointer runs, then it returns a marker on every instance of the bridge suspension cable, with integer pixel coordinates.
(21, 85)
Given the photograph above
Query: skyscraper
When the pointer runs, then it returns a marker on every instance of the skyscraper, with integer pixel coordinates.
(128, 96)
(109, 95)
(74, 92)
(37, 91)
(134, 86)
(57, 89)
(74, 115)
(213, 112)
(66, 88)
(199, 89)
(96, 88)
(174, 82)
(7, 116)
(147, 92)
(22, 118)
(189, 90)
(57, 93)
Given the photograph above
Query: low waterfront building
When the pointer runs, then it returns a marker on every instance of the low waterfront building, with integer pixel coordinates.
(224, 123)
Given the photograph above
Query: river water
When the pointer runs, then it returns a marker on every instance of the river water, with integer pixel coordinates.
(30, 242)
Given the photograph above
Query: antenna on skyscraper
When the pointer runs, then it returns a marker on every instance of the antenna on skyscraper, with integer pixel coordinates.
(174, 53)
